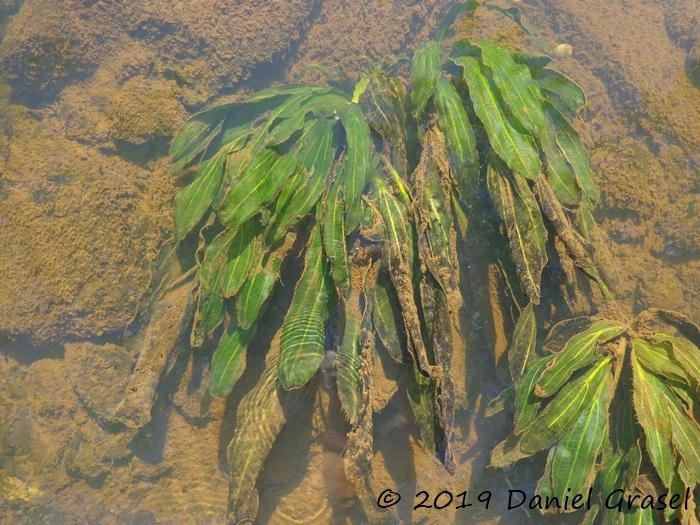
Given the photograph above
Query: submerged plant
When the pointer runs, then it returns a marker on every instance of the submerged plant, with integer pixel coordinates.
(376, 192)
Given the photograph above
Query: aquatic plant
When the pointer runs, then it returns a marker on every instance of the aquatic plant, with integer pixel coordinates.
(375, 192)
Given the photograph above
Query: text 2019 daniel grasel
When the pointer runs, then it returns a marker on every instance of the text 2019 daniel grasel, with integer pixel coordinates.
(617, 499)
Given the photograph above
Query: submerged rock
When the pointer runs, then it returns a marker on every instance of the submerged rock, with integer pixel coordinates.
(49, 45)
(693, 64)
(78, 228)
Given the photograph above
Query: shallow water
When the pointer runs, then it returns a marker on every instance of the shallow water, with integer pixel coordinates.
(91, 95)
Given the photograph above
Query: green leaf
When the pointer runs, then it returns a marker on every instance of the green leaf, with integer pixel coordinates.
(385, 108)
(422, 394)
(229, 361)
(215, 256)
(259, 285)
(678, 487)
(685, 434)
(689, 479)
(257, 185)
(360, 88)
(544, 485)
(518, 209)
(534, 62)
(461, 219)
(397, 225)
(574, 152)
(625, 431)
(245, 254)
(334, 238)
(522, 348)
(285, 129)
(459, 134)
(347, 359)
(425, 71)
(253, 295)
(638, 516)
(437, 239)
(653, 415)
(259, 419)
(194, 137)
(526, 402)
(579, 352)
(620, 468)
(220, 125)
(611, 471)
(386, 318)
(518, 90)
(357, 164)
(193, 201)
(209, 313)
(303, 330)
(687, 355)
(464, 47)
(400, 255)
(574, 461)
(658, 358)
(237, 161)
(560, 175)
(516, 149)
(559, 415)
(585, 222)
(315, 151)
(561, 92)
(327, 105)
(281, 91)
(288, 117)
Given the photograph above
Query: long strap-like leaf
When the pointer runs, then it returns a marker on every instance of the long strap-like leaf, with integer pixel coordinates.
(258, 185)
(573, 464)
(515, 148)
(229, 361)
(348, 358)
(653, 415)
(516, 87)
(522, 347)
(352, 383)
(517, 207)
(579, 352)
(334, 241)
(315, 151)
(357, 164)
(460, 138)
(560, 174)
(209, 313)
(258, 287)
(424, 74)
(193, 201)
(245, 254)
(563, 411)
(260, 416)
(400, 254)
(303, 331)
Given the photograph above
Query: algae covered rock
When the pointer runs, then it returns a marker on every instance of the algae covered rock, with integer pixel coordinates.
(49, 45)
(693, 64)
(78, 230)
